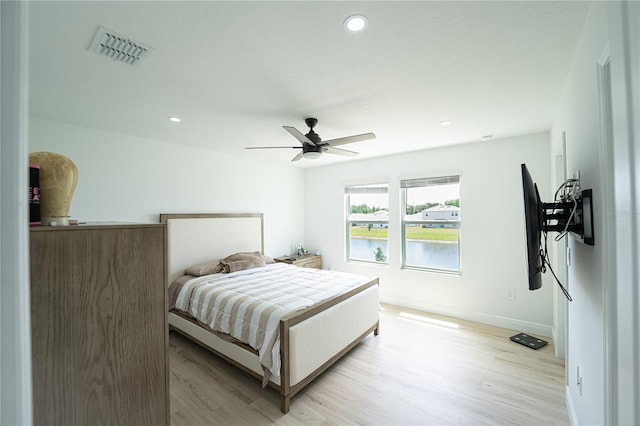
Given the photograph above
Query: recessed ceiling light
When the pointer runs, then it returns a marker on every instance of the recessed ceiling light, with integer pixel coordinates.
(355, 23)
(175, 119)
(486, 138)
(445, 123)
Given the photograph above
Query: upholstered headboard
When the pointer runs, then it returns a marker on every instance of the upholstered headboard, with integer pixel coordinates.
(202, 237)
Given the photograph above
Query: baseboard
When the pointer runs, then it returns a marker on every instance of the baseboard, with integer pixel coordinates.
(483, 318)
(570, 407)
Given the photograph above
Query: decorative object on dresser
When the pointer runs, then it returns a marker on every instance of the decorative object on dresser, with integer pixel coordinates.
(34, 195)
(311, 336)
(303, 261)
(58, 179)
(99, 325)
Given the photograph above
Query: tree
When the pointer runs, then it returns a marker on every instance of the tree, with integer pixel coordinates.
(380, 256)
(411, 209)
(363, 208)
(369, 226)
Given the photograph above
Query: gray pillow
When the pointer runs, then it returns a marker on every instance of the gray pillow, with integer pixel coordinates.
(206, 268)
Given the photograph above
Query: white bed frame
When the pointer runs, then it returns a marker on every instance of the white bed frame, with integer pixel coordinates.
(311, 340)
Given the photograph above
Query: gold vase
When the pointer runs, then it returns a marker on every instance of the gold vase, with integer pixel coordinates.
(58, 179)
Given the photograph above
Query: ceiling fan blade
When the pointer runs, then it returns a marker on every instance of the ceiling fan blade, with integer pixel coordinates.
(339, 151)
(273, 147)
(349, 139)
(298, 135)
(297, 157)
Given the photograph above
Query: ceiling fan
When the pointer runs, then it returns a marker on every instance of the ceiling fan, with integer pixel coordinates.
(313, 147)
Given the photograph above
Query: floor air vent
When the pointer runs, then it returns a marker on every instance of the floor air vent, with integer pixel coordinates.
(118, 47)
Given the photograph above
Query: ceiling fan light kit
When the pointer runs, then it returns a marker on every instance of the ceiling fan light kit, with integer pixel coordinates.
(312, 145)
(311, 155)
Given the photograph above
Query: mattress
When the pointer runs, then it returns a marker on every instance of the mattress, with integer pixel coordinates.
(248, 304)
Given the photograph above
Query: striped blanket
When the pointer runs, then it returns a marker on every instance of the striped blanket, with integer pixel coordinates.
(249, 304)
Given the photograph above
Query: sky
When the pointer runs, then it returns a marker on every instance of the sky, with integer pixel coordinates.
(431, 194)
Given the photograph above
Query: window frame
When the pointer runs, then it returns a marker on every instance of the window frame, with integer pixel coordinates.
(429, 180)
(348, 191)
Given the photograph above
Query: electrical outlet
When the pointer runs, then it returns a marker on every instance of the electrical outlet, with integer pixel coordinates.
(511, 294)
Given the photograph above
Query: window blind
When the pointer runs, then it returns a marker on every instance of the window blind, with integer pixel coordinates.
(368, 189)
(431, 181)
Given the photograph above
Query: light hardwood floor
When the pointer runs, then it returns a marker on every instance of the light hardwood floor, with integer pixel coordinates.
(421, 370)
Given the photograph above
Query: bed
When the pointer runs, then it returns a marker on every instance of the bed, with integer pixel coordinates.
(310, 340)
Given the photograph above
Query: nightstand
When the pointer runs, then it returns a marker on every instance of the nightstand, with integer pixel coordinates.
(304, 261)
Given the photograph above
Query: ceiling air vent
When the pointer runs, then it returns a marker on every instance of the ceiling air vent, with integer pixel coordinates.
(118, 47)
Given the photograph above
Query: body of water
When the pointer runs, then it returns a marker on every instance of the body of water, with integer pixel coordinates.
(424, 254)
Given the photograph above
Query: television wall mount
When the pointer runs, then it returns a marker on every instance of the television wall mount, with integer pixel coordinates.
(572, 214)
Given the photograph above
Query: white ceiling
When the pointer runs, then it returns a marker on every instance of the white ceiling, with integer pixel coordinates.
(236, 72)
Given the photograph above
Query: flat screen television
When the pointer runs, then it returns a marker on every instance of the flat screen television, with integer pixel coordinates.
(571, 212)
(533, 216)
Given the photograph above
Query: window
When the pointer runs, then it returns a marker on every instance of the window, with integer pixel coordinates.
(431, 223)
(367, 225)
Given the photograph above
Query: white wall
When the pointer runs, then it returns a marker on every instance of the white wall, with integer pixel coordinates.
(623, 272)
(603, 331)
(578, 116)
(126, 178)
(492, 234)
(15, 321)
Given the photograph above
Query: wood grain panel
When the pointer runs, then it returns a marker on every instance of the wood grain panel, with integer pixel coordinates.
(99, 328)
(306, 261)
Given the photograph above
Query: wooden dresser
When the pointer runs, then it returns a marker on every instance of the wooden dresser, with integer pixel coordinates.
(99, 325)
(303, 261)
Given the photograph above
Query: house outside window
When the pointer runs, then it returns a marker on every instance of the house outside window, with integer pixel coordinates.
(367, 224)
(431, 222)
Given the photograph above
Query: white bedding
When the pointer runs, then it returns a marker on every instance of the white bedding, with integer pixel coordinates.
(249, 304)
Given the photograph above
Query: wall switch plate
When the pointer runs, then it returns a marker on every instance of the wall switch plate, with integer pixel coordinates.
(576, 176)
